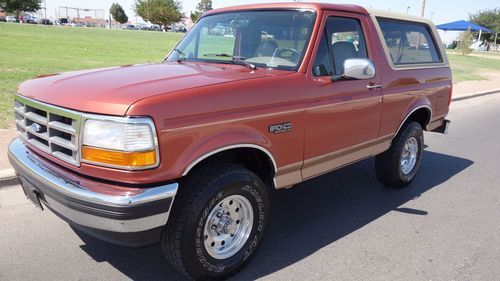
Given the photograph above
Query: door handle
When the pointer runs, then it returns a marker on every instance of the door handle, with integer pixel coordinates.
(374, 86)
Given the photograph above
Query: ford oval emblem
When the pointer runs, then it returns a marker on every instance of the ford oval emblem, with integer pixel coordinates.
(36, 127)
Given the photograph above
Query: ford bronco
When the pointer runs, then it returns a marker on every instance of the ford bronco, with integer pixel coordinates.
(254, 98)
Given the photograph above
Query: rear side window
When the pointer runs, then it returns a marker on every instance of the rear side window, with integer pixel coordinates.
(409, 43)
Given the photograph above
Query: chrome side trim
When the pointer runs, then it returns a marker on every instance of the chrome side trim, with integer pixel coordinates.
(411, 112)
(244, 145)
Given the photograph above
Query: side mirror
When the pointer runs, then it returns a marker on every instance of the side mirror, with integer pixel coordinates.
(358, 69)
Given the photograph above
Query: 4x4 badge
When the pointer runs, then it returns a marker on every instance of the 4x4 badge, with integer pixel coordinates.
(280, 128)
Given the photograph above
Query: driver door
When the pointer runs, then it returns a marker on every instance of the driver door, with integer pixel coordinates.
(342, 116)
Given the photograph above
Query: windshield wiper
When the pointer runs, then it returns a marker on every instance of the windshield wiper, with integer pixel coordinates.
(181, 56)
(234, 59)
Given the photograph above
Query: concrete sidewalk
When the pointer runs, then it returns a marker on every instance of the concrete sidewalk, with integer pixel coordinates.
(7, 175)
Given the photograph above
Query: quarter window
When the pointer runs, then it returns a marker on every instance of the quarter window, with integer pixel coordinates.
(409, 43)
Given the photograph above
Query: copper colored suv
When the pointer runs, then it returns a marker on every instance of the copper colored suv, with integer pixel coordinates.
(254, 98)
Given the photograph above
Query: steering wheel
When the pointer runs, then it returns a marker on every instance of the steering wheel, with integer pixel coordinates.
(294, 57)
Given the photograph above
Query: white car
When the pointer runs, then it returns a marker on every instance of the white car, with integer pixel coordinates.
(10, 19)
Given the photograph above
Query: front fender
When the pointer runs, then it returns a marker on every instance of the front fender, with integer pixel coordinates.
(221, 141)
(196, 144)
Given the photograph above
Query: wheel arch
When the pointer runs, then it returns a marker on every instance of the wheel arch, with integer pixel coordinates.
(421, 113)
(247, 154)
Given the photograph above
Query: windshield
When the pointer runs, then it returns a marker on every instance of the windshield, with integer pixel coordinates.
(267, 39)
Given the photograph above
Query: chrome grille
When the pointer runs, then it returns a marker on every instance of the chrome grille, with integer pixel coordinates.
(54, 130)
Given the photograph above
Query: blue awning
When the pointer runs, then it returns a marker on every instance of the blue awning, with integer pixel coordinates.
(463, 25)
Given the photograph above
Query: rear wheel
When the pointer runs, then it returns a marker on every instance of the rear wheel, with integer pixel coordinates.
(218, 221)
(398, 166)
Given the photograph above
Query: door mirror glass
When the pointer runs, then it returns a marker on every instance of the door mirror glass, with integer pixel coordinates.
(359, 69)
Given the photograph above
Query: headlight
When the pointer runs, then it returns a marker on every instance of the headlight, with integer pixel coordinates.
(127, 143)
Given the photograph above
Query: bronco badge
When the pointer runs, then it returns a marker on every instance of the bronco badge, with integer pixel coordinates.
(280, 128)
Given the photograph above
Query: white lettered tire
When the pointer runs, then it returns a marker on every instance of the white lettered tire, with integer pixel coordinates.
(218, 221)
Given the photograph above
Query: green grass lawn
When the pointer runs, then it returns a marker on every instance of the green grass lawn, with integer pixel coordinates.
(472, 67)
(29, 50)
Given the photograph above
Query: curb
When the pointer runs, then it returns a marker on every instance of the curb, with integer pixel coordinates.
(475, 95)
(8, 178)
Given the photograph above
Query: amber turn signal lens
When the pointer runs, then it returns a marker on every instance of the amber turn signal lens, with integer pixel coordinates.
(119, 158)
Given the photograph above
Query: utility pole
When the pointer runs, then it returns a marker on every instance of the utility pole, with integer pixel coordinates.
(422, 12)
(407, 9)
(44, 9)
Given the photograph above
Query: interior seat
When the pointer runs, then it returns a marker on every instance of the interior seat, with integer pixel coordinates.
(342, 50)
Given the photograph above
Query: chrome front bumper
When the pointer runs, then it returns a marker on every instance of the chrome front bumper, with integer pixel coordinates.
(125, 218)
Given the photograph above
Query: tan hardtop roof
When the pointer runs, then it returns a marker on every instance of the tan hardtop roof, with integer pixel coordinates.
(323, 6)
(292, 5)
(398, 16)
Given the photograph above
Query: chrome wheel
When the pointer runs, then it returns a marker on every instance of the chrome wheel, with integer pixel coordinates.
(228, 227)
(409, 155)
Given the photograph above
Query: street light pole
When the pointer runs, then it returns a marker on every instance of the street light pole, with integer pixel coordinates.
(422, 12)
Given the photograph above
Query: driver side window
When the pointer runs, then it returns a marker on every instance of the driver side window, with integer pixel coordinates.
(342, 39)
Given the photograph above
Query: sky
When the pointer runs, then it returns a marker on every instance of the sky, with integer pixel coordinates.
(440, 11)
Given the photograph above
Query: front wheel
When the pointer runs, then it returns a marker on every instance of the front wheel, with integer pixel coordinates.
(398, 166)
(218, 221)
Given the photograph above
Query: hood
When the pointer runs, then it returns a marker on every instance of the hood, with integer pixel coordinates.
(112, 90)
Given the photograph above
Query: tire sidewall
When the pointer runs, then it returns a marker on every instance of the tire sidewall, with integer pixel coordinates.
(252, 188)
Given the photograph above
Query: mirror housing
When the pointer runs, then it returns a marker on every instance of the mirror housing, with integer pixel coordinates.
(358, 69)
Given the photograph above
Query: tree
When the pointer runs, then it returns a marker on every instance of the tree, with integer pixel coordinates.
(464, 42)
(203, 6)
(161, 12)
(194, 16)
(118, 13)
(489, 18)
(18, 6)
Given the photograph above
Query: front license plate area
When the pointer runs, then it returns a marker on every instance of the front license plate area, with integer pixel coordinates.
(31, 193)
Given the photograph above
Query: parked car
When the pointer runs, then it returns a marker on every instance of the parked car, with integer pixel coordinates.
(155, 27)
(62, 21)
(30, 19)
(75, 24)
(179, 29)
(186, 151)
(130, 27)
(3, 19)
(46, 22)
(11, 19)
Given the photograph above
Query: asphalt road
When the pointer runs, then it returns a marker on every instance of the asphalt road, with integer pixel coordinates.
(341, 226)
